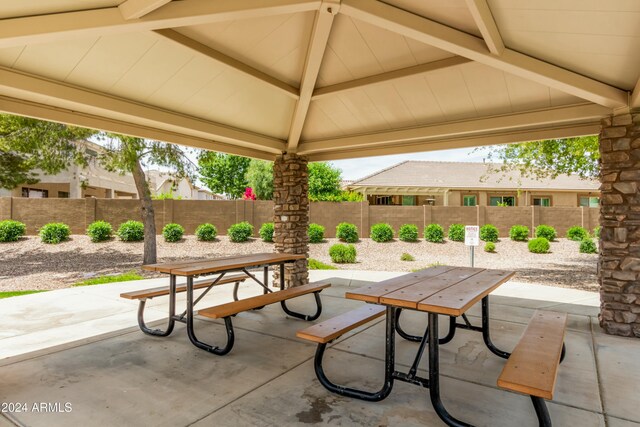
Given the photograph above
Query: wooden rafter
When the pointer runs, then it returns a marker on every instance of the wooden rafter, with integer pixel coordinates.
(134, 9)
(487, 25)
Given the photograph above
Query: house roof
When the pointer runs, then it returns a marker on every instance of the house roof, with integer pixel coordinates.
(471, 175)
(328, 79)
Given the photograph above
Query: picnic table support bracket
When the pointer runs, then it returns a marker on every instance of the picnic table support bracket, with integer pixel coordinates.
(389, 367)
(172, 313)
(215, 282)
(307, 317)
(220, 351)
(544, 420)
(486, 332)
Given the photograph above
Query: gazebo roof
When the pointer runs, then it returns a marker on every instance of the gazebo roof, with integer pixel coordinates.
(328, 79)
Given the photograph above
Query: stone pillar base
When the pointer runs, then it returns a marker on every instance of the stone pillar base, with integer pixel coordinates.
(291, 215)
(619, 264)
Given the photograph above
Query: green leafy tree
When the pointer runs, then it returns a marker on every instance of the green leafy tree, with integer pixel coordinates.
(324, 180)
(28, 144)
(224, 173)
(260, 177)
(548, 158)
(130, 154)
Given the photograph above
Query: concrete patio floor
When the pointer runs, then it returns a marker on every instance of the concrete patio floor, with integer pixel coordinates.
(81, 346)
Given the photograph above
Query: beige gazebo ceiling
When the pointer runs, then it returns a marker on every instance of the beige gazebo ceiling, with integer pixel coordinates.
(328, 79)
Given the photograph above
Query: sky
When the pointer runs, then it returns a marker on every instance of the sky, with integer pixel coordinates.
(359, 168)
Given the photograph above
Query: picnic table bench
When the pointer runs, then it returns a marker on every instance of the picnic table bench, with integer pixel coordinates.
(192, 269)
(531, 368)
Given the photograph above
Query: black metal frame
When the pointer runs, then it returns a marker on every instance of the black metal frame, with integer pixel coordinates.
(188, 315)
(433, 341)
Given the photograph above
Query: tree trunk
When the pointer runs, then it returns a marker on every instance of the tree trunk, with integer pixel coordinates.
(148, 214)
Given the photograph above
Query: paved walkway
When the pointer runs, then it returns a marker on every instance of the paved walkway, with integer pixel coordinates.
(82, 346)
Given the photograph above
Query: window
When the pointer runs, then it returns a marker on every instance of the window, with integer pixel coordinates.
(63, 194)
(408, 200)
(469, 200)
(384, 200)
(589, 201)
(502, 201)
(33, 193)
(541, 201)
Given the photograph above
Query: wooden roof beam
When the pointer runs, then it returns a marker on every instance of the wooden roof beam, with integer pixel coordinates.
(317, 45)
(634, 101)
(134, 9)
(389, 76)
(460, 43)
(228, 61)
(99, 22)
(487, 25)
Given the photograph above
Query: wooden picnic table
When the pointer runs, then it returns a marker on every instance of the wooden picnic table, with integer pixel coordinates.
(218, 268)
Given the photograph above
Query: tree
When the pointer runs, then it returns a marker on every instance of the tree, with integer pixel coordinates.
(548, 158)
(28, 144)
(129, 154)
(224, 173)
(324, 180)
(260, 178)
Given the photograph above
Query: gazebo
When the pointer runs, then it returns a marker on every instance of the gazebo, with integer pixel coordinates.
(306, 80)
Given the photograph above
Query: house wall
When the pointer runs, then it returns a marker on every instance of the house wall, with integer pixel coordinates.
(79, 213)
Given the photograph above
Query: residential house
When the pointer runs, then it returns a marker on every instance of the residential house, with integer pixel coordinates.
(470, 184)
(163, 183)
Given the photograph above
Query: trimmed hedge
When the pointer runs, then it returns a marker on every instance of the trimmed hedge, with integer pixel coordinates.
(539, 245)
(456, 232)
(172, 232)
(55, 232)
(434, 233)
(342, 254)
(316, 233)
(347, 232)
(547, 232)
(11, 231)
(381, 233)
(99, 231)
(408, 233)
(489, 233)
(577, 233)
(240, 232)
(131, 231)
(519, 233)
(596, 232)
(588, 246)
(206, 232)
(490, 247)
(266, 232)
(407, 257)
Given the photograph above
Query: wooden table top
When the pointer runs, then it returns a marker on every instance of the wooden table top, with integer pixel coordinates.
(215, 265)
(443, 289)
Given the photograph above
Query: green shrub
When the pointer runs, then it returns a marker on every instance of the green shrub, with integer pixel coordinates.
(316, 233)
(342, 254)
(99, 231)
(240, 232)
(408, 233)
(314, 264)
(588, 246)
(434, 233)
(206, 232)
(407, 257)
(519, 233)
(489, 247)
(266, 232)
(381, 233)
(131, 231)
(456, 232)
(55, 232)
(539, 245)
(11, 231)
(172, 232)
(547, 232)
(596, 232)
(489, 233)
(577, 233)
(347, 232)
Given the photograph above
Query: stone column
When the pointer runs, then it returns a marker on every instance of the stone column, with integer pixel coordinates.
(291, 215)
(619, 264)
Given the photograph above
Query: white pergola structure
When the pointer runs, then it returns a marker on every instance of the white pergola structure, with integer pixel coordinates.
(335, 79)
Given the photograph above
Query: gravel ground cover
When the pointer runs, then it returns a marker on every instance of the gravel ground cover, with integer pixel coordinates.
(30, 264)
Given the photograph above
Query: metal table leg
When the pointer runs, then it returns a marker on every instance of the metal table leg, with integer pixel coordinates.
(172, 313)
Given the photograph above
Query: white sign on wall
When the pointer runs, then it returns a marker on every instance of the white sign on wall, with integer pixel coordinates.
(472, 235)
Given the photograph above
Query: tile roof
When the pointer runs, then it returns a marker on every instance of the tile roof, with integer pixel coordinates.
(413, 173)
